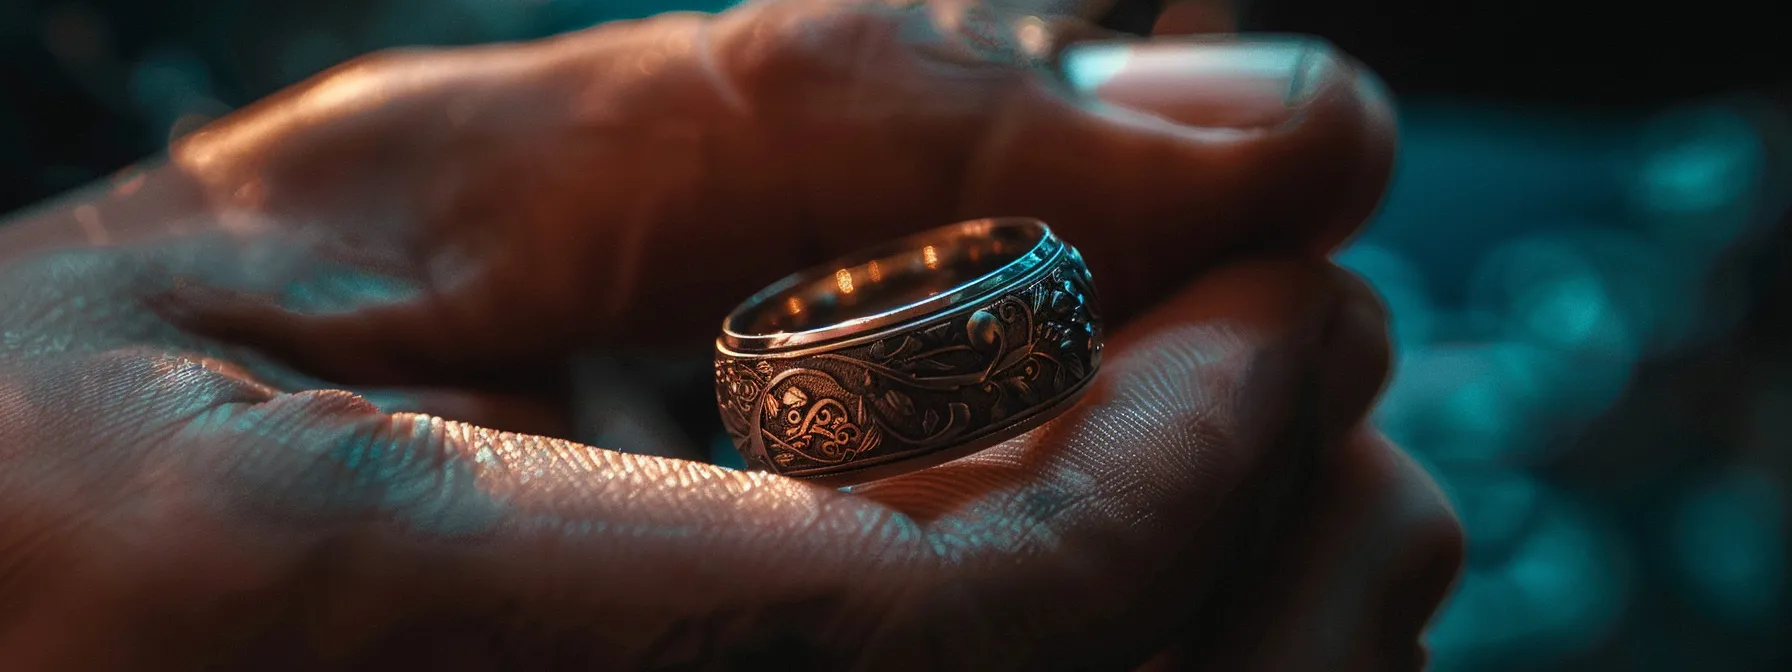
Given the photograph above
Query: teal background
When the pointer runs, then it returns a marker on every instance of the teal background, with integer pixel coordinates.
(1584, 249)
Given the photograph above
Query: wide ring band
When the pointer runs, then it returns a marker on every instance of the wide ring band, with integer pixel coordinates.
(909, 354)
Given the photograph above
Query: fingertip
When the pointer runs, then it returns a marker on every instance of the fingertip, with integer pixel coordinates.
(1375, 145)
(1307, 133)
(1247, 84)
(1198, 411)
(1435, 548)
(1322, 174)
(1172, 154)
(1356, 355)
(1257, 340)
(1266, 296)
(1310, 329)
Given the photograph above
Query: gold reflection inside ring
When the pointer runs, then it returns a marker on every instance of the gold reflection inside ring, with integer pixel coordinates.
(886, 279)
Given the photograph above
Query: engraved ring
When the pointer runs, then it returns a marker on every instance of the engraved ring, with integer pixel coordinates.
(909, 354)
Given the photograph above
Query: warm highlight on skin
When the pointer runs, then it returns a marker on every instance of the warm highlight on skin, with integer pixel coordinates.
(192, 474)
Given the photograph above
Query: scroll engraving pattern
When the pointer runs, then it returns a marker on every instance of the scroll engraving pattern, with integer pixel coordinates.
(917, 391)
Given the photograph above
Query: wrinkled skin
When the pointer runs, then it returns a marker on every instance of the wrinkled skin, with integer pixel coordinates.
(248, 396)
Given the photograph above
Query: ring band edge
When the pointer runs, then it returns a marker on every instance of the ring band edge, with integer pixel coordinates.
(968, 304)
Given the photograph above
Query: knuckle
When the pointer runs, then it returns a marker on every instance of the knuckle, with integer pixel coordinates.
(778, 49)
(380, 61)
(1430, 541)
(359, 75)
(1441, 544)
(365, 469)
(1437, 536)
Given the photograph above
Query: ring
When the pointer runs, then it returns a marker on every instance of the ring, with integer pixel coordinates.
(909, 354)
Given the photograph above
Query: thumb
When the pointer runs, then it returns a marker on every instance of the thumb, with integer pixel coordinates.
(781, 134)
(1152, 156)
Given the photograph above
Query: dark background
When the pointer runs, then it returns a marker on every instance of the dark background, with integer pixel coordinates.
(1597, 53)
(1584, 249)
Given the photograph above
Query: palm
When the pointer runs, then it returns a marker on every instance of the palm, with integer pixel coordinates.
(418, 223)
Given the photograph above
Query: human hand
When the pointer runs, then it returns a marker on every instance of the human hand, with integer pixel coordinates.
(192, 480)
(555, 183)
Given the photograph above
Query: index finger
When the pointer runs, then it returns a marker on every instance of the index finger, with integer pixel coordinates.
(1128, 504)
(1155, 159)
(1083, 544)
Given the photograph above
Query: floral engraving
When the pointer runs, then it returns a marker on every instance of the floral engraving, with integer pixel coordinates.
(917, 391)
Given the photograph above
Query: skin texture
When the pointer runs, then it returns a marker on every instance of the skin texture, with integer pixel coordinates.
(251, 397)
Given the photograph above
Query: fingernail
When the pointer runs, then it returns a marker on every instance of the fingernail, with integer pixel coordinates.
(1207, 82)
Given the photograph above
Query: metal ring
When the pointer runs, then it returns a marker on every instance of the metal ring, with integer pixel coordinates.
(909, 354)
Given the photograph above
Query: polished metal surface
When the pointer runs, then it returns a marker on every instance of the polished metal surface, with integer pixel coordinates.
(909, 354)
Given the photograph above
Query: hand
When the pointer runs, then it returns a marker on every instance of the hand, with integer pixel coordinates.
(192, 473)
(556, 183)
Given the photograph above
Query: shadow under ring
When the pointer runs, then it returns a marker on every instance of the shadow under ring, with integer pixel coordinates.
(909, 354)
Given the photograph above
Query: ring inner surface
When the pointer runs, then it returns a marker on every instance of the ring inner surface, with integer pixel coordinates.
(889, 280)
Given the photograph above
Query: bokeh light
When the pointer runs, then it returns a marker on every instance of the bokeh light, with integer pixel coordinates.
(1729, 537)
(1543, 268)
(1559, 590)
(1553, 260)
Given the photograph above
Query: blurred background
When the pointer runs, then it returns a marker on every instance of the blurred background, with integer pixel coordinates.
(1586, 251)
